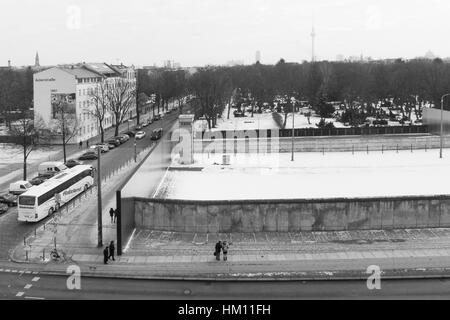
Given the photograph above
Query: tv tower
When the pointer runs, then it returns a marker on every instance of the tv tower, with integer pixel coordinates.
(313, 40)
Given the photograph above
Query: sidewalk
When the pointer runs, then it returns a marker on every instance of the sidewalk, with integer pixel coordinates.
(263, 256)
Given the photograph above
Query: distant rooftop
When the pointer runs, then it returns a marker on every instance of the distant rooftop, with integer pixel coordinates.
(80, 72)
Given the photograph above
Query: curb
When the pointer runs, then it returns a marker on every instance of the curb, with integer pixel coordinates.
(323, 275)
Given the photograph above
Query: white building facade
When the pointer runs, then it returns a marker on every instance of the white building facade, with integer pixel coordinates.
(75, 84)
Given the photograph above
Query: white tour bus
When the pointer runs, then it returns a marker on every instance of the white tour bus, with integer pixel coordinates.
(44, 199)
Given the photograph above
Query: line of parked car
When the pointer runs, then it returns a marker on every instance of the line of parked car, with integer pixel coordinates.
(116, 141)
(47, 170)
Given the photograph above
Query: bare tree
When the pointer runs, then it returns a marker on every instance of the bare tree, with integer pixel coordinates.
(121, 96)
(27, 133)
(65, 121)
(99, 97)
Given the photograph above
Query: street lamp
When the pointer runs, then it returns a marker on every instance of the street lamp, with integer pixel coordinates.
(99, 201)
(293, 119)
(442, 122)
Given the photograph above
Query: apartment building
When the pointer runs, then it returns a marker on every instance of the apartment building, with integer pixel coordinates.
(75, 85)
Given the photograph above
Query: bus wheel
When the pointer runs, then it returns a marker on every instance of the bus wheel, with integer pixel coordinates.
(86, 187)
(57, 207)
(50, 211)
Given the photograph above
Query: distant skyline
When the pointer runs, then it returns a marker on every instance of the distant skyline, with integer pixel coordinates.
(200, 32)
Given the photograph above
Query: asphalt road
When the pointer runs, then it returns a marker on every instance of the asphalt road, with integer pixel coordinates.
(36, 286)
(12, 231)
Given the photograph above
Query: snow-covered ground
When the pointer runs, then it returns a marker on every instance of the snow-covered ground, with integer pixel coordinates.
(311, 175)
(265, 121)
(259, 121)
(10, 153)
(11, 160)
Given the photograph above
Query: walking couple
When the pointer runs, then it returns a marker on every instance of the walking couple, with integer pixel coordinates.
(221, 246)
(108, 253)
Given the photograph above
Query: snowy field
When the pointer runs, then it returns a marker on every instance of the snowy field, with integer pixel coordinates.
(311, 175)
(11, 159)
(265, 121)
(10, 153)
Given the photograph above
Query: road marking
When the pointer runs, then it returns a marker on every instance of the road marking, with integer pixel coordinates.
(27, 272)
(7, 270)
(28, 286)
(19, 294)
(1, 270)
(35, 298)
(14, 271)
(34, 272)
(35, 279)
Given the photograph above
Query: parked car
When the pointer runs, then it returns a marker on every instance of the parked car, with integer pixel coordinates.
(140, 135)
(130, 134)
(3, 208)
(157, 117)
(19, 187)
(157, 134)
(138, 127)
(111, 146)
(8, 199)
(114, 141)
(72, 163)
(38, 180)
(89, 155)
(125, 136)
(103, 147)
(53, 167)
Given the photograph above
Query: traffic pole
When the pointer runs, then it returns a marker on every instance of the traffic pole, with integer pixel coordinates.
(99, 201)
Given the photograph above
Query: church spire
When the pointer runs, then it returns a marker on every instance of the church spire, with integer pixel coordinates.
(36, 60)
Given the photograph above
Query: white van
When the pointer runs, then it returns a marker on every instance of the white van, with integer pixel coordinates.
(19, 187)
(53, 167)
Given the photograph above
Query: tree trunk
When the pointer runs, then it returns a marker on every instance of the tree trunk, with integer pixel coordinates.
(24, 162)
(138, 114)
(102, 134)
(116, 129)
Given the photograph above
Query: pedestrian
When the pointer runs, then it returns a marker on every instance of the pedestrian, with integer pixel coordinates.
(80, 144)
(225, 250)
(111, 213)
(105, 255)
(87, 144)
(217, 251)
(111, 250)
(115, 216)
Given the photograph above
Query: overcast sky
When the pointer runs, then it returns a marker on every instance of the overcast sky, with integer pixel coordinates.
(199, 32)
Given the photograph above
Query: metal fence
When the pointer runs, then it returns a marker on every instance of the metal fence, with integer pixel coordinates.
(318, 132)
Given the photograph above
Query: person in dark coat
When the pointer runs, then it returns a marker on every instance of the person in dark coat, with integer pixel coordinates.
(81, 144)
(115, 216)
(87, 144)
(225, 251)
(111, 250)
(105, 255)
(218, 249)
(111, 213)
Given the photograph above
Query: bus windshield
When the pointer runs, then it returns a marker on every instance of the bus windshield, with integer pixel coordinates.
(27, 200)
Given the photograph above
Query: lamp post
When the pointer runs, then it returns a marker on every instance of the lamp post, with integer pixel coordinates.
(442, 123)
(99, 201)
(293, 119)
